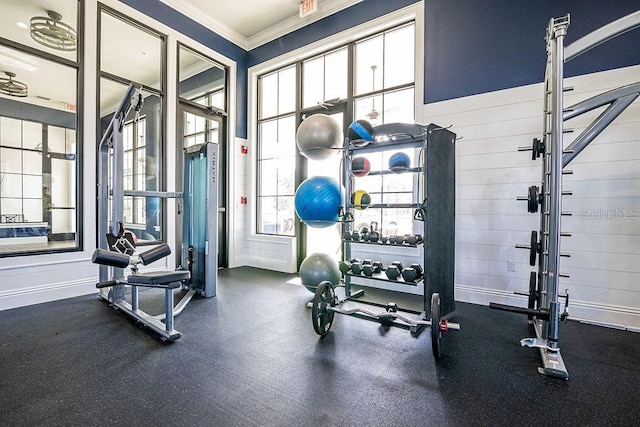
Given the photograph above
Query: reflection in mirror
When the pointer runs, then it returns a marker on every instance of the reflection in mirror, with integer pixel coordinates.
(43, 25)
(38, 164)
(142, 141)
(201, 79)
(130, 52)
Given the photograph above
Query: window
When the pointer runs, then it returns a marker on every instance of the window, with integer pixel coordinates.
(384, 93)
(277, 152)
(371, 77)
(40, 150)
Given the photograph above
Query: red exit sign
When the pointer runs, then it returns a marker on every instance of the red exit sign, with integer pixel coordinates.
(308, 7)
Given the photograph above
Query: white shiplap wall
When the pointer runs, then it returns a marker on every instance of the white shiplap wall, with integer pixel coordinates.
(605, 247)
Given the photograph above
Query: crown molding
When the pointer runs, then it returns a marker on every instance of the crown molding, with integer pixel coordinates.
(325, 8)
(214, 25)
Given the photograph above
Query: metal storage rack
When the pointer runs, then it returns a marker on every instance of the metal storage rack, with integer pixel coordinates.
(436, 211)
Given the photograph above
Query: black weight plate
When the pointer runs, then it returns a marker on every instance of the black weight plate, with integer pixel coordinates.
(533, 199)
(533, 251)
(321, 316)
(532, 291)
(436, 334)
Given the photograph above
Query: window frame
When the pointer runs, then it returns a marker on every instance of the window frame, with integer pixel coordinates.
(298, 59)
(78, 65)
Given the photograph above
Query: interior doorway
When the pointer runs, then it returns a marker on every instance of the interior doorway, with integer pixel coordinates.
(323, 240)
(197, 125)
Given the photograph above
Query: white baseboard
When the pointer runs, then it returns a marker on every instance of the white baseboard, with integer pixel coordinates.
(627, 318)
(14, 298)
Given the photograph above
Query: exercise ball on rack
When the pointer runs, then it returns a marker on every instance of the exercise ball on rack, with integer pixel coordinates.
(360, 199)
(319, 137)
(399, 162)
(318, 201)
(316, 268)
(360, 166)
(360, 132)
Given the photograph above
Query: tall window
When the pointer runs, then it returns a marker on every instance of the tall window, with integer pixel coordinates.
(40, 150)
(384, 93)
(373, 79)
(277, 151)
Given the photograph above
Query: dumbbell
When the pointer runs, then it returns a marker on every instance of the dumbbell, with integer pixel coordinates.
(356, 267)
(399, 265)
(346, 235)
(345, 267)
(377, 266)
(399, 240)
(370, 268)
(355, 236)
(418, 268)
(366, 267)
(384, 239)
(392, 272)
(374, 236)
(414, 239)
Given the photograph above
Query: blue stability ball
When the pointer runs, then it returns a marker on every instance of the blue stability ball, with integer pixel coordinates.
(317, 268)
(360, 131)
(318, 200)
(399, 162)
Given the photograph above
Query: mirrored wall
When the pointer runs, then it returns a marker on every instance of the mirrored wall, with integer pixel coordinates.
(39, 145)
(131, 53)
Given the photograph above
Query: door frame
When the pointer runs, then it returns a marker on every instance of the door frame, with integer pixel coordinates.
(301, 169)
(222, 173)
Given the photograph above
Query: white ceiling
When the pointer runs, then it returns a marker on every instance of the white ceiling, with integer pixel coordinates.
(251, 23)
(247, 23)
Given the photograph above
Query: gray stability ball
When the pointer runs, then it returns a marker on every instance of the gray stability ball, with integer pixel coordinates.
(319, 137)
(317, 268)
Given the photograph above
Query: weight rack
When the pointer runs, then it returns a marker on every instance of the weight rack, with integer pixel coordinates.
(544, 305)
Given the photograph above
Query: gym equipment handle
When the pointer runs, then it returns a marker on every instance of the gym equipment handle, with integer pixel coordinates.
(110, 258)
(106, 284)
(155, 254)
(542, 314)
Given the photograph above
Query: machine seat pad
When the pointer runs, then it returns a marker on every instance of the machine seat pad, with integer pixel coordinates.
(156, 278)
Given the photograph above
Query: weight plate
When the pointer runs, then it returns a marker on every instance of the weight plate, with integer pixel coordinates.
(533, 251)
(436, 334)
(532, 291)
(321, 316)
(533, 199)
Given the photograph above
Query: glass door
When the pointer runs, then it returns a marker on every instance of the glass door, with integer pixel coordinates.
(195, 126)
(324, 240)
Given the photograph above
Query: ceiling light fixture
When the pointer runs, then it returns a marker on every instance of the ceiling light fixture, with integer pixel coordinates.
(12, 87)
(52, 32)
(373, 114)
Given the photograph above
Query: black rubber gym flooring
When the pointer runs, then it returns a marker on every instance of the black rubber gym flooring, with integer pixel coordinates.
(250, 357)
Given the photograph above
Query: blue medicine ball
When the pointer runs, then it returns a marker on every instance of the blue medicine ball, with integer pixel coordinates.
(318, 201)
(360, 131)
(399, 162)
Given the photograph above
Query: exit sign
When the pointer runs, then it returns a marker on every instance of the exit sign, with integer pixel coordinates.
(308, 7)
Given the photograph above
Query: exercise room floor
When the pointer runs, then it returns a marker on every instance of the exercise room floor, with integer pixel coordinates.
(250, 357)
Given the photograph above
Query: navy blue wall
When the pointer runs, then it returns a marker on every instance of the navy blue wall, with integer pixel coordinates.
(478, 46)
(355, 15)
(471, 46)
(198, 32)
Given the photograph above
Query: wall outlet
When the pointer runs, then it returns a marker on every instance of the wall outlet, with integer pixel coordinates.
(511, 265)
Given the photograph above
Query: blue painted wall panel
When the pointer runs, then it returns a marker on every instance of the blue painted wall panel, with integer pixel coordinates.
(168, 16)
(478, 46)
(357, 14)
(471, 46)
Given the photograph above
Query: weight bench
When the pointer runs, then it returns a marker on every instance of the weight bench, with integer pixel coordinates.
(167, 280)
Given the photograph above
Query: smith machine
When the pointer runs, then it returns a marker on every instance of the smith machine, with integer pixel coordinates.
(197, 271)
(544, 306)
